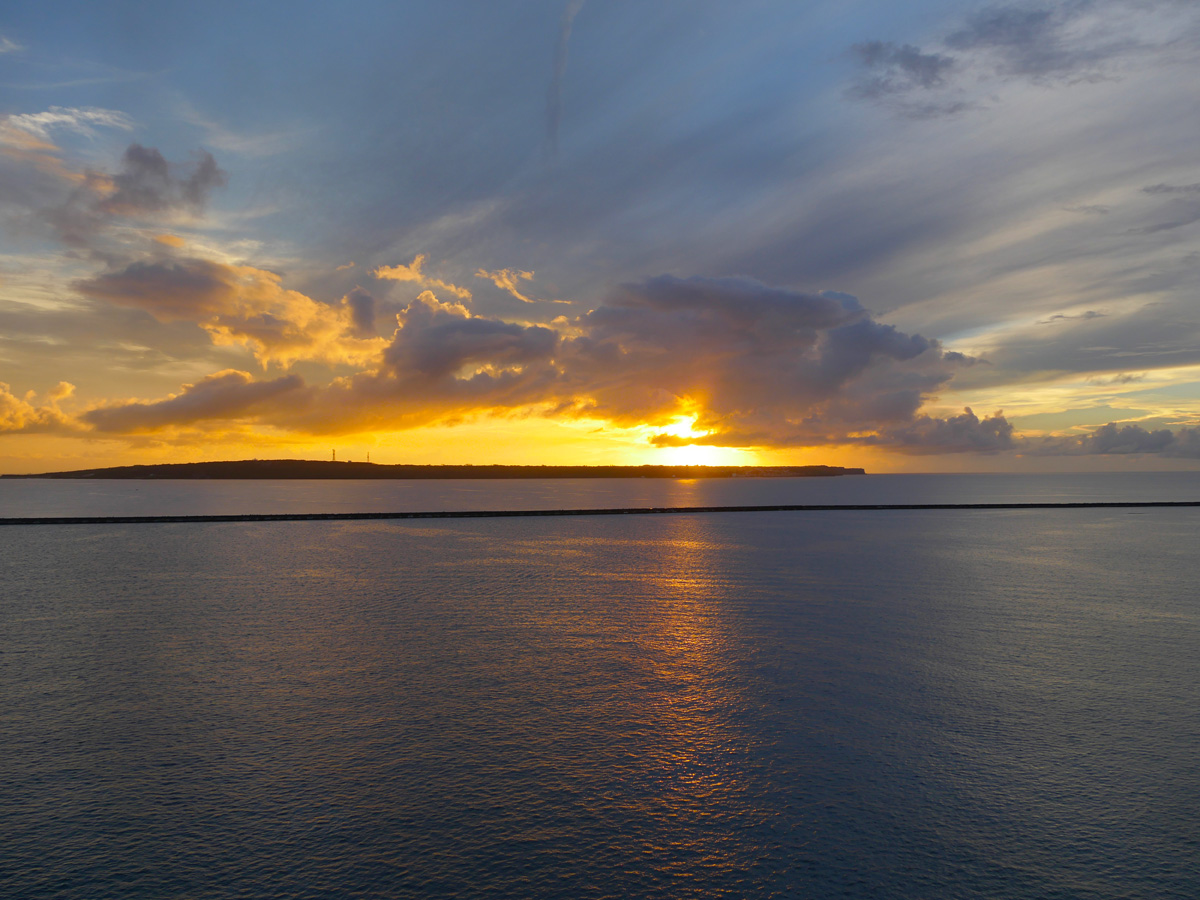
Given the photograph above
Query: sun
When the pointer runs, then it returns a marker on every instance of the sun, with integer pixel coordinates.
(697, 454)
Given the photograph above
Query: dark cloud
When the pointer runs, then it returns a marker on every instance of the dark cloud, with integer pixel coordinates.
(223, 395)
(362, 311)
(146, 184)
(1028, 41)
(1061, 317)
(899, 68)
(1171, 189)
(436, 341)
(1009, 26)
(205, 177)
(1053, 41)
(723, 340)
(187, 289)
(1045, 43)
(957, 434)
(756, 365)
(1124, 378)
(147, 187)
(1126, 439)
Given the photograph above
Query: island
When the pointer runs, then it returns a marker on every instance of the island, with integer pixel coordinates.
(309, 468)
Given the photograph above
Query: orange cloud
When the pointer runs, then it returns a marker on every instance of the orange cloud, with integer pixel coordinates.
(412, 272)
(442, 363)
(240, 305)
(20, 415)
(507, 280)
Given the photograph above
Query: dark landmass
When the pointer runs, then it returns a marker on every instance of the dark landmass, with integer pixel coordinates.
(307, 468)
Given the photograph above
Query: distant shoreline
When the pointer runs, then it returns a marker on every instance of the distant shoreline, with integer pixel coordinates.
(276, 469)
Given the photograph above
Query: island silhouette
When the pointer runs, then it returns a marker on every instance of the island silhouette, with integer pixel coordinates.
(309, 468)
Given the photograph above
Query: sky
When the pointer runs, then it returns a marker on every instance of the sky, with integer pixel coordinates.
(928, 236)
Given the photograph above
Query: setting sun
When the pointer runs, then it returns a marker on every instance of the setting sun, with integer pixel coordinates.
(684, 427)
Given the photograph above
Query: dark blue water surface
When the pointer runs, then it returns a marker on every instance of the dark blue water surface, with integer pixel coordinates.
(991, 704)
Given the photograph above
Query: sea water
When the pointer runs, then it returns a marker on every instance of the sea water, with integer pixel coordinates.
(928, 704)
(86, 497)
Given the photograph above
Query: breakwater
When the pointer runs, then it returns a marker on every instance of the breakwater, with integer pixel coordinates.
(617, 511)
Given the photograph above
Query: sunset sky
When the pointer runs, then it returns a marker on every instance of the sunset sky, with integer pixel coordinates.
(926, 236)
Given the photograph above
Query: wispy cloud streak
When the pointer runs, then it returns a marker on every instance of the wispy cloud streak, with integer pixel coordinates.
(554, 96)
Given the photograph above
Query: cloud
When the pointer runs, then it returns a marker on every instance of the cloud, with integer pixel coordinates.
(1123, 378)
(1063, 42)
(1025, 41)
(28, 139)
(507, 280)
(1058, 317)
(1113, 439)
(1171, 189)
(21, 416)
(146, 188)
(898, 68)
(7, 45)
(223, 395)
(412, 272)
(1154, 334)
(755, 365)
(1128, 439)
(752, 365)
(957, 434)
(1181, 208)
(555, 92)
(80, 120)
(188, 289)
(145, 184)
(733, 342)
(437, 340)
(243, 305)
(1189, 218)
(442, 363)
(362, 312)
(1182, 213)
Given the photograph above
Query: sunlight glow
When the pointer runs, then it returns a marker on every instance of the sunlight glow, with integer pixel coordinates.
(697, 454)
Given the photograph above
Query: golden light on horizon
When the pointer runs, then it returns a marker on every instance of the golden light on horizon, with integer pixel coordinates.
(684, 427)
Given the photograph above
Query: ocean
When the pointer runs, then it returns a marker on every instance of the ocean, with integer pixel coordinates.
(866, 704)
